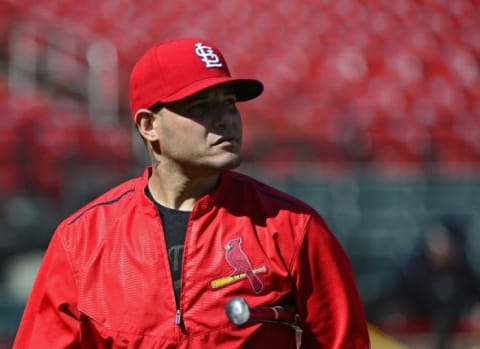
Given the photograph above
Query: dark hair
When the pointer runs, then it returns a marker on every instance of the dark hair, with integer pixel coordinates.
(156, 107)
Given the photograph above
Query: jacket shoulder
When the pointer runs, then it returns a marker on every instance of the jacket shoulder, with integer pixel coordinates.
(86, 230)
(113, 200)
(254, 188)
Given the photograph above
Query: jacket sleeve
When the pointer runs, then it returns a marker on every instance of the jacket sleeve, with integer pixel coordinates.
(50, 318)
(327, 298)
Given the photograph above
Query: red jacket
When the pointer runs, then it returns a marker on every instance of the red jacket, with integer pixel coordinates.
(105, 280)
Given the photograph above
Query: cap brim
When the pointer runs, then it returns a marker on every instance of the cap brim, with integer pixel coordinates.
(245, 89)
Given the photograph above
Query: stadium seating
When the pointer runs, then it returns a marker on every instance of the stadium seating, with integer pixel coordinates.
(320, 67)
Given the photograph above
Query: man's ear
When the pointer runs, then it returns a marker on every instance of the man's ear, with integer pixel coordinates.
(144, 120)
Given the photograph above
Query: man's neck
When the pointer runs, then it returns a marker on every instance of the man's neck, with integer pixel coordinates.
(178, 191)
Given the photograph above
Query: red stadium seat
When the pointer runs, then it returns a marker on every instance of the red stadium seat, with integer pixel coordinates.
(361, 66)
(11, 179)
(10, 143)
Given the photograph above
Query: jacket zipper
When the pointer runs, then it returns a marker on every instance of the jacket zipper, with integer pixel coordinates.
(178, 314)
(178, 317)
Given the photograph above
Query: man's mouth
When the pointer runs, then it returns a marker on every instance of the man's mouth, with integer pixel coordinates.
(225, 140)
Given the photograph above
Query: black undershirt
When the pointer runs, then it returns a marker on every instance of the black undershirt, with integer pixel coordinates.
(175, 224)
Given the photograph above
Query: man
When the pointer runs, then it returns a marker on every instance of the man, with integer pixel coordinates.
(153, 262)
(436, 282)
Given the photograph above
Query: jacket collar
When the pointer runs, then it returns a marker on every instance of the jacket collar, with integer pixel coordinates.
(204, 203)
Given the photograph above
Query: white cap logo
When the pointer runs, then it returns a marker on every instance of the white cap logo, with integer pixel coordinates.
(208, 56)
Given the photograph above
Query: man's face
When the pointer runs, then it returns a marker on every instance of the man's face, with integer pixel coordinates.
(202, 132)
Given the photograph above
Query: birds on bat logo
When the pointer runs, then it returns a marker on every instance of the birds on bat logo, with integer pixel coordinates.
(242, 268)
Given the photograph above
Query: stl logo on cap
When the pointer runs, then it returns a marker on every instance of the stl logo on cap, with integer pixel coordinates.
(208, 56)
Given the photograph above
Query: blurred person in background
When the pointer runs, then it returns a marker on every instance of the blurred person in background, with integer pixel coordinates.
(436, 281)
(153, 262)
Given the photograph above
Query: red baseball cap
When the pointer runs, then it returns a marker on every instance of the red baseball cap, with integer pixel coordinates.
(177, 69)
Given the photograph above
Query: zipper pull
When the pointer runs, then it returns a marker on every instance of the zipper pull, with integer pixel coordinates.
(178, 317)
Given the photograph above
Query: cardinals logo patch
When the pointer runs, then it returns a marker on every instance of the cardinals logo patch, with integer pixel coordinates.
(242, 268)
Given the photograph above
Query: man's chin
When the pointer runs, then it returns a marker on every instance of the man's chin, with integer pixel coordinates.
(232, 164)
(227, 164)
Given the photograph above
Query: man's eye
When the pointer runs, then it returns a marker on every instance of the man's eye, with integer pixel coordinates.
(231, 103)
